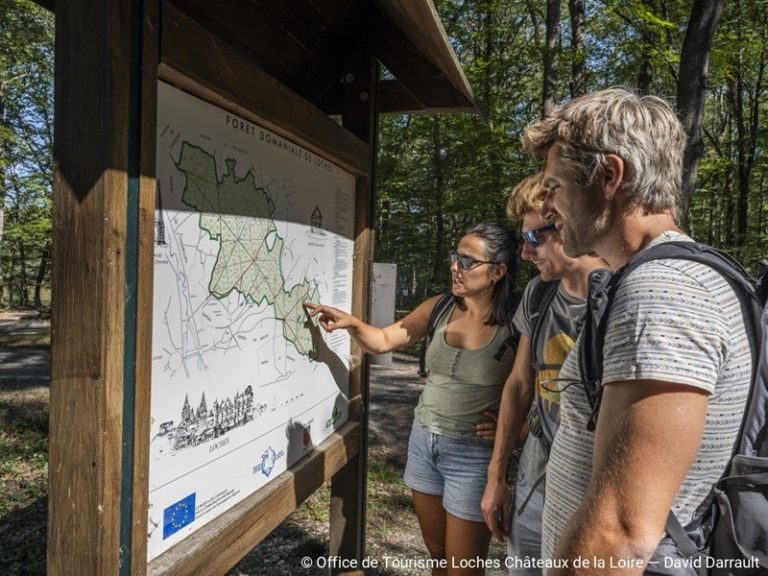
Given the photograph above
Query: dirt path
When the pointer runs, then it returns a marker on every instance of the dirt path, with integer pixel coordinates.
(25, 362)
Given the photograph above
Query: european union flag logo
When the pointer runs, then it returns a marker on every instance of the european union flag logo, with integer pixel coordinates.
(178, 515)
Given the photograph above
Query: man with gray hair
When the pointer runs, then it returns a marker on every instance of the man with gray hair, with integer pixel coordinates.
(676, 358)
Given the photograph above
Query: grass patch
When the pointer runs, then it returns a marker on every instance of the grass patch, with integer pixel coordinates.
(25, 339)
(383, 472)
(23, 468)
(23, 480)
(316, 508)
(387, 495)
(25, 409)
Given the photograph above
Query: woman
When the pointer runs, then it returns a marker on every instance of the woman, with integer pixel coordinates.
(447, 462)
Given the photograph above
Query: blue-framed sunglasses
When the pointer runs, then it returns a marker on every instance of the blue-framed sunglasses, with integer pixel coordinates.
(533, 237)
(465, 262)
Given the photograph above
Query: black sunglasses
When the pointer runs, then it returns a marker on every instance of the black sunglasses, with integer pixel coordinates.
(465, 262)
(533, 236)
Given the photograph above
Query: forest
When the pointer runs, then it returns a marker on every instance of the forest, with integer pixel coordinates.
(439, 173)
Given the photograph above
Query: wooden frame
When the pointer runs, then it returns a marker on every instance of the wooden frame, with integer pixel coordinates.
(104, 198)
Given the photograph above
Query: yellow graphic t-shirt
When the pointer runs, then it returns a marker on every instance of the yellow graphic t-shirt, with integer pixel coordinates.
(559, 326)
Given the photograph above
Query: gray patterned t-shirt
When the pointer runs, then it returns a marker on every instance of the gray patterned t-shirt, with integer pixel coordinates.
(672, 321)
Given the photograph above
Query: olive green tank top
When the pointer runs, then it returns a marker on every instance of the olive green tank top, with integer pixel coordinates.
(462, 384)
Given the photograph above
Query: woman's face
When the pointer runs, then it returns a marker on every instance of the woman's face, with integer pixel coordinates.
(471, 274)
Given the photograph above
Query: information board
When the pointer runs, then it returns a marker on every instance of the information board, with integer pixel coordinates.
(249, 225)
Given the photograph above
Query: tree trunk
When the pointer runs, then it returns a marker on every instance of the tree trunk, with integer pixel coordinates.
(578, 84)
(551, 56)
(761, 204)
(691, 90)
(23, 280)
(742, 164)
(645, 76)
(730, 209)
(3, 124)
(438, 259)
(713, 215)
(747, 118)
(42, 270)
(487, 19)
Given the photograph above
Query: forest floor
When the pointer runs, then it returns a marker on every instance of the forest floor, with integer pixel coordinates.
(393, 539)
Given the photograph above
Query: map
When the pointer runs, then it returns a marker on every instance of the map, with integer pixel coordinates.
(249, 226)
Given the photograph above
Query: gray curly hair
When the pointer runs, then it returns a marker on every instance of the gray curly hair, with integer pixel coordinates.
(643, 131)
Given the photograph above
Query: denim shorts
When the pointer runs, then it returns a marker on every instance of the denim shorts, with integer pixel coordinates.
(453, 468)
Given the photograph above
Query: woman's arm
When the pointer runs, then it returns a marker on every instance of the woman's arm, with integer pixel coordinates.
(375, 340)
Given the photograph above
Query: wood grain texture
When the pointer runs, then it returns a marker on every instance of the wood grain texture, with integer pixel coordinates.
(144, 291)
(420, 23)
(428, 83)
(249, 25)
(87, 333)
(215, 71)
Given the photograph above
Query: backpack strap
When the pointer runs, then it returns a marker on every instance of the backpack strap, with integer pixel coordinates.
(602, 290)
(440, 308)
(513, 334)
(680, 537)
(762, 283)
(541, 299)
(600, 286)
(539, 302)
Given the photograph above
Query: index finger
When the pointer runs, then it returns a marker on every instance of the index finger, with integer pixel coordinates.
(315, 308)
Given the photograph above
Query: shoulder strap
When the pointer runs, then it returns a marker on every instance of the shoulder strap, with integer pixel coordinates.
(441, 306)
(540, 300)
(513, 335)
(762, 282)
(603, 287)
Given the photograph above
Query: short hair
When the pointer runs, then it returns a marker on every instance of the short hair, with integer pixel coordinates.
(526, 197)
(643, 131)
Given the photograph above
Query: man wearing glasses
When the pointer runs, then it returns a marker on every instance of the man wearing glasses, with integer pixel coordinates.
(676, 357)
(555, 302)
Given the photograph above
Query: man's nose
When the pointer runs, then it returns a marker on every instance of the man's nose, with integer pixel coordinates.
(528, 251)
(548, 206)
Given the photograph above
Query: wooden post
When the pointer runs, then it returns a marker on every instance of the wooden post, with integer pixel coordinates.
(349, 485)
(145, 268)
(104, 197)
(97, 168)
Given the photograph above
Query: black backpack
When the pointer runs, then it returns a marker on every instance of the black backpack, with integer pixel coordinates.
(730, 536)
(443, 305)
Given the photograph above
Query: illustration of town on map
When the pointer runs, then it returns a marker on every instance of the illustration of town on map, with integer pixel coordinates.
(249, 225)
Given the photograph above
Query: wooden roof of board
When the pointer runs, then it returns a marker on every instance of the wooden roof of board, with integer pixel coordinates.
(303, 43)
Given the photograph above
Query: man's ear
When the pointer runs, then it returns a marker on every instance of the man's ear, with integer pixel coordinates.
(613, 176)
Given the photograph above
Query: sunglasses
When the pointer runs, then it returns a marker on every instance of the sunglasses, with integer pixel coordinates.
(466, 262)
(533, 237)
